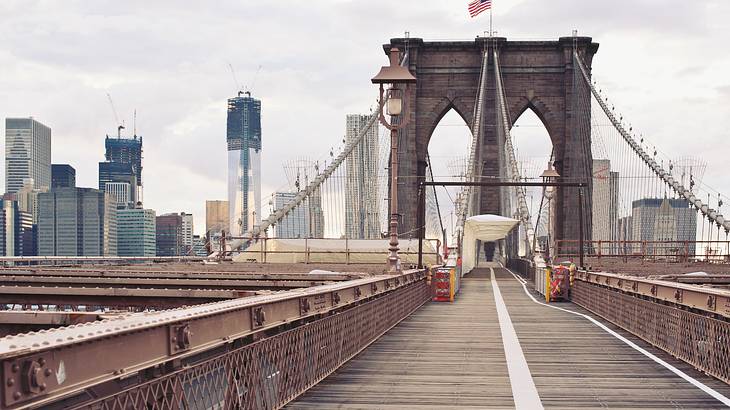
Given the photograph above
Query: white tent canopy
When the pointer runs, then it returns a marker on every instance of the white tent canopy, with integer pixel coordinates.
(485, 228)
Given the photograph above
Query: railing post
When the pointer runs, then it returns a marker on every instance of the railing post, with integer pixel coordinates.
(347, 251)
(306, 250)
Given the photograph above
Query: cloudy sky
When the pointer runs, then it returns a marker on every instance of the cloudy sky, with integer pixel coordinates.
(663, 63)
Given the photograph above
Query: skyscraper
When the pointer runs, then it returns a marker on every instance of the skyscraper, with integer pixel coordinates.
(187, 232)
(17, 234)
(216, 217)
(605, 202)
(28, 198)
(76, 222)
(27, 153)
(123, 164)
(122, 194)
(362, 220)
(169, 240)
(63, 176)
(136, 232)
(244, 163)
(667, 219)
(8, 222)
(297, 222)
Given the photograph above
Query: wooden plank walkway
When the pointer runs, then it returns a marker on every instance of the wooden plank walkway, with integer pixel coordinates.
(452, 356)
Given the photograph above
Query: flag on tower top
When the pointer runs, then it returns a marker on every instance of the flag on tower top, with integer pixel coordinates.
(478, 6)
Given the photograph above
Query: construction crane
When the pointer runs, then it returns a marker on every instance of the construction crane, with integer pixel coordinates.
(120, 126)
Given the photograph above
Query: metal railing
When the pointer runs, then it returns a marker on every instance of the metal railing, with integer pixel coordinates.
(255, 352)
(696, 337)
(270, 373)
(666, 251)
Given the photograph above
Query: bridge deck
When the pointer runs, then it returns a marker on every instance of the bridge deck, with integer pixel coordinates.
(453, 356)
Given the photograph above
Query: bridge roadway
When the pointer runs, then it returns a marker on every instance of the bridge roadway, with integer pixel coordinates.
(461, 355)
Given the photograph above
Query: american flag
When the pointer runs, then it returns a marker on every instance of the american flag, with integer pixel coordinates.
(478, 6)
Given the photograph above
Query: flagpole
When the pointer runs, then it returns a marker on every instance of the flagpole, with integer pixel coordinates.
(490, 21)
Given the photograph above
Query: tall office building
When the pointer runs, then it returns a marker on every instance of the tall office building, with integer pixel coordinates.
(169, 235)
(76, 222)
(362, 221)
(667, 219)
(17, 234)
(118, 173)
(605, 202)
(296, 223)
(187, 232)
(27, 153)
(244, 163)
(136, 232)
(8, 222)
(63, 176)
(316, 214)
(27, 198)
(122, 194)
(123, 164)
(216, 217)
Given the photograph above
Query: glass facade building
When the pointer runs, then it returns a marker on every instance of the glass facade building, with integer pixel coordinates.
(27, 153)
(362, 221)
(136, 232)
(296, 224)
(244, 163)
(77, 222)
(123, 164)
(169, 235)
(63, 176)
(663, 219)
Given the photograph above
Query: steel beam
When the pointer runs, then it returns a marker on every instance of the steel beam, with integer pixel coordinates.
(114, 297)
(155, 283)
(70, 359)
(709, 300)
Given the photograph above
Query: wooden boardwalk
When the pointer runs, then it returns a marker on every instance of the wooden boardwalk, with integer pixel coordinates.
(453, 356)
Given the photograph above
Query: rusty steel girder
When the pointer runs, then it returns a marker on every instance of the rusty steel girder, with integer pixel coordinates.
(114, 298)
(118, 272)
(155, 283)
(709, 300)
(700, 340)
(69, 363)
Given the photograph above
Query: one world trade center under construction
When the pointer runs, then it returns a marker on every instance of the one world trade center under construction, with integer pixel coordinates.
(244, 163)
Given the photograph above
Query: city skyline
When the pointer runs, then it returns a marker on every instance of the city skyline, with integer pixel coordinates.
(180, 88)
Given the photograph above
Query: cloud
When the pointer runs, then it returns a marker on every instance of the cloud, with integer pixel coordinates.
(169, 61)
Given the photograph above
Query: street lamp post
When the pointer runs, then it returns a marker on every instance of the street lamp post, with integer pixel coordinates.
(394, 100)
(549, 176)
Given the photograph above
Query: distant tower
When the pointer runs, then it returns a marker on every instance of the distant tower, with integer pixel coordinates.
(123, 165)
(299, 173)
(244, 163)
(361, 195)
(27, 153)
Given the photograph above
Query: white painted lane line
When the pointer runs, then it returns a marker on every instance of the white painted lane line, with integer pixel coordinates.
(524, 391)
(709, 390)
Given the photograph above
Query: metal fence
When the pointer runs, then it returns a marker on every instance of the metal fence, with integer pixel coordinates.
(699, 340)
(271, 372)
(666, 251)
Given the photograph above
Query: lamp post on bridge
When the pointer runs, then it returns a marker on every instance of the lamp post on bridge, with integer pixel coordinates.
(549, 176)
(394, 100)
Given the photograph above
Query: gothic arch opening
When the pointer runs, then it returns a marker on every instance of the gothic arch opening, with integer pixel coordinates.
(448, 151)
(533, 147)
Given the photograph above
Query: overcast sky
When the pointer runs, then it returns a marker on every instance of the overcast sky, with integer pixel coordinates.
(664, 64)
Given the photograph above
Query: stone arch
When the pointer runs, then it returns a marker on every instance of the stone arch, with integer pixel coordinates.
(441, 109)
(537, 75)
